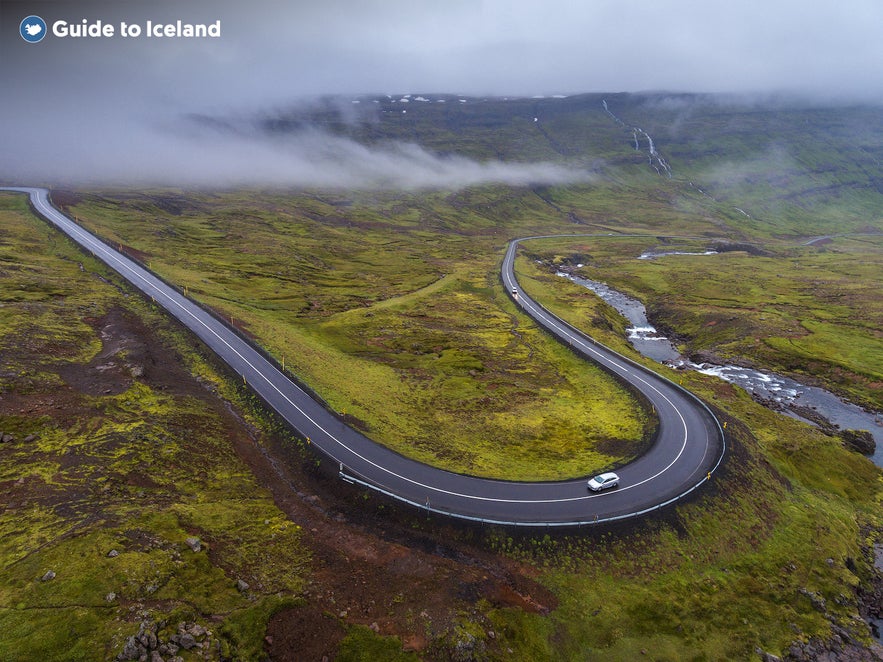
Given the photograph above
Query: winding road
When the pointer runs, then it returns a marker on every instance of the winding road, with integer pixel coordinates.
(689, 446)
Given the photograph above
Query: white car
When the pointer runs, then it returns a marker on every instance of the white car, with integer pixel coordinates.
(603, 481)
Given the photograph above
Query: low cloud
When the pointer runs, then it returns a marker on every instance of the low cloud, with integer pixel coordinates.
(184, 153)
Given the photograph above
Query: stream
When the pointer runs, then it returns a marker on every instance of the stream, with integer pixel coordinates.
(782, 393)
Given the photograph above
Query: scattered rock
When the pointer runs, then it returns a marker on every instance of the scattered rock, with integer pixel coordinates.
(242, 586)
(860, 441)
(30, 438)
(818, 602)
(816, 649)
(374, 627)
(110, 597)
(186, 641)
(112, 554)
(48, 576)
(131, 651)
(146, 646)
(194, 543)
(6, 438)
(142, 646)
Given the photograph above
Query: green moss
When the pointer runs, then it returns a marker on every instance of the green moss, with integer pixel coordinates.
(361, 644)
(244, 629)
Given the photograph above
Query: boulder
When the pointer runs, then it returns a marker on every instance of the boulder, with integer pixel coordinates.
(186, 641)
(860, 441)
(131, 651)
(196, 630)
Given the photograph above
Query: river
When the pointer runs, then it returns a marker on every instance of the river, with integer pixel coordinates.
(787, 395)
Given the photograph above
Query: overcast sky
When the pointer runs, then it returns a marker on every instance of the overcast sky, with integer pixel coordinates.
(271, 52)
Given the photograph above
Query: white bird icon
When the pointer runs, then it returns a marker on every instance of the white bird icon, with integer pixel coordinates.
(33, 29)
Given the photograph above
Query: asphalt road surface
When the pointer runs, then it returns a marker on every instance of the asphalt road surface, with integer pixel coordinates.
(688, 447)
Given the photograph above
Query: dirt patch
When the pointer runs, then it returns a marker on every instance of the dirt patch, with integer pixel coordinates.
(65, 199)
(112, 370)
(130, 351)
(308, 633)
(619, 448)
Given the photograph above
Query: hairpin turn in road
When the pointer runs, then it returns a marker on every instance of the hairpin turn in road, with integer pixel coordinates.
(689, 444)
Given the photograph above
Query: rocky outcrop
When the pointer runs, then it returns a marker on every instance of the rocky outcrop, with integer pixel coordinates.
(839, 648)
(148, 645)
(843, 645)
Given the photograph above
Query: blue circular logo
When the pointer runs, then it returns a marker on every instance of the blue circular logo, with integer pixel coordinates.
(32, 29)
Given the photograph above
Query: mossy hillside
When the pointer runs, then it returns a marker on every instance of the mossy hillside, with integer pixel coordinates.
(137, 467)
(792, 168)
(810, 311)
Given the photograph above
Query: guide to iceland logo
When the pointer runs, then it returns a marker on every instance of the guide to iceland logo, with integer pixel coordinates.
(32, 29)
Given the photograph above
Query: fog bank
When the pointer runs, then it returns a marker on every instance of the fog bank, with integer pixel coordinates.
(179, 152)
